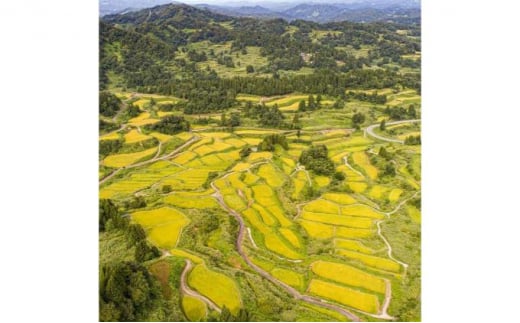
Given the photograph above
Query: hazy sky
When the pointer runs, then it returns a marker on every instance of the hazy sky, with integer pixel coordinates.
(267, 1)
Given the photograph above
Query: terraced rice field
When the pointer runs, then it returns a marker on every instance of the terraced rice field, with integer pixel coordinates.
(123, 160)
(194, 308)
(372, 261)
(289, 277)
(134, 136)
(361, 159)
(189, 200)
(222, 290)
(348, 275)
(344, 295)
(163, 225)
(142, 120)
(110, 136)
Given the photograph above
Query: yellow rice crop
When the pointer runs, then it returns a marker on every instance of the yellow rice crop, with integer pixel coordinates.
(264, 264)
(322, 206)
(351, 175)
(240, 167)
(371, 261)
(361, 159)
(194, 308)
(361, 210)
(318, 230)
(161, 137)
(395, 194)
(290, 236)
(344, 295)
(123, 160)
(184, 136)
(142, 120)
(254, 218)
(161, 114)
(414, 213)
(184, 200)
(237, 143)
(220, 135)
(123, 187)
(353, 233)
(135, 136)
(352, 245)
(287, 100)
(184, 157)
(251, 178)
(222, 290)
(235, 202)
(259, 155)
(343, 220)
(377, 192)
(358, 187)
(292, 107)
(252, 141)
(141, 102)
(348, 275)
(340, 198)
(289, 277)
(110, 136)
(254, 132)
(230, 156)
(299, 183)
(274, 243)
(322, 181)
(164, 225)
(266, 217)
(272, 177)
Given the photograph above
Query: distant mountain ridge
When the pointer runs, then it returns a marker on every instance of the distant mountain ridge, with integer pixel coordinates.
(399, 11)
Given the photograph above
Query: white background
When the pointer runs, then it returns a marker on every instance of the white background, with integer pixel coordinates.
(48, 132)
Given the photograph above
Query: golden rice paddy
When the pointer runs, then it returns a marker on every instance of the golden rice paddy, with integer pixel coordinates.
(222, 290)
(163, 225)
(123, 160)
(344, 295)
(134, 136)
(348, 275)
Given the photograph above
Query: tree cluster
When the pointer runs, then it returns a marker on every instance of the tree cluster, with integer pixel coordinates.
(170, 125)
(109, 104)
(127, 292)
(269, 142)
(316, 159)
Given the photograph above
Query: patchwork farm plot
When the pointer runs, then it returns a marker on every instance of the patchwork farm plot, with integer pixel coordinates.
(265, 214)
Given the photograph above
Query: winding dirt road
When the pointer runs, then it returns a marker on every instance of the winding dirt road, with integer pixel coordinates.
(370, 130)
(190, 292)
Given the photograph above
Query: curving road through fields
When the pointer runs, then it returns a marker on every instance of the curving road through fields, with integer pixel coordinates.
(370, 130)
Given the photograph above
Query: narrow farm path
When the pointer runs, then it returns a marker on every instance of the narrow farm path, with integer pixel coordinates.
(345, 159)
(370, 130)
(185, 289)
